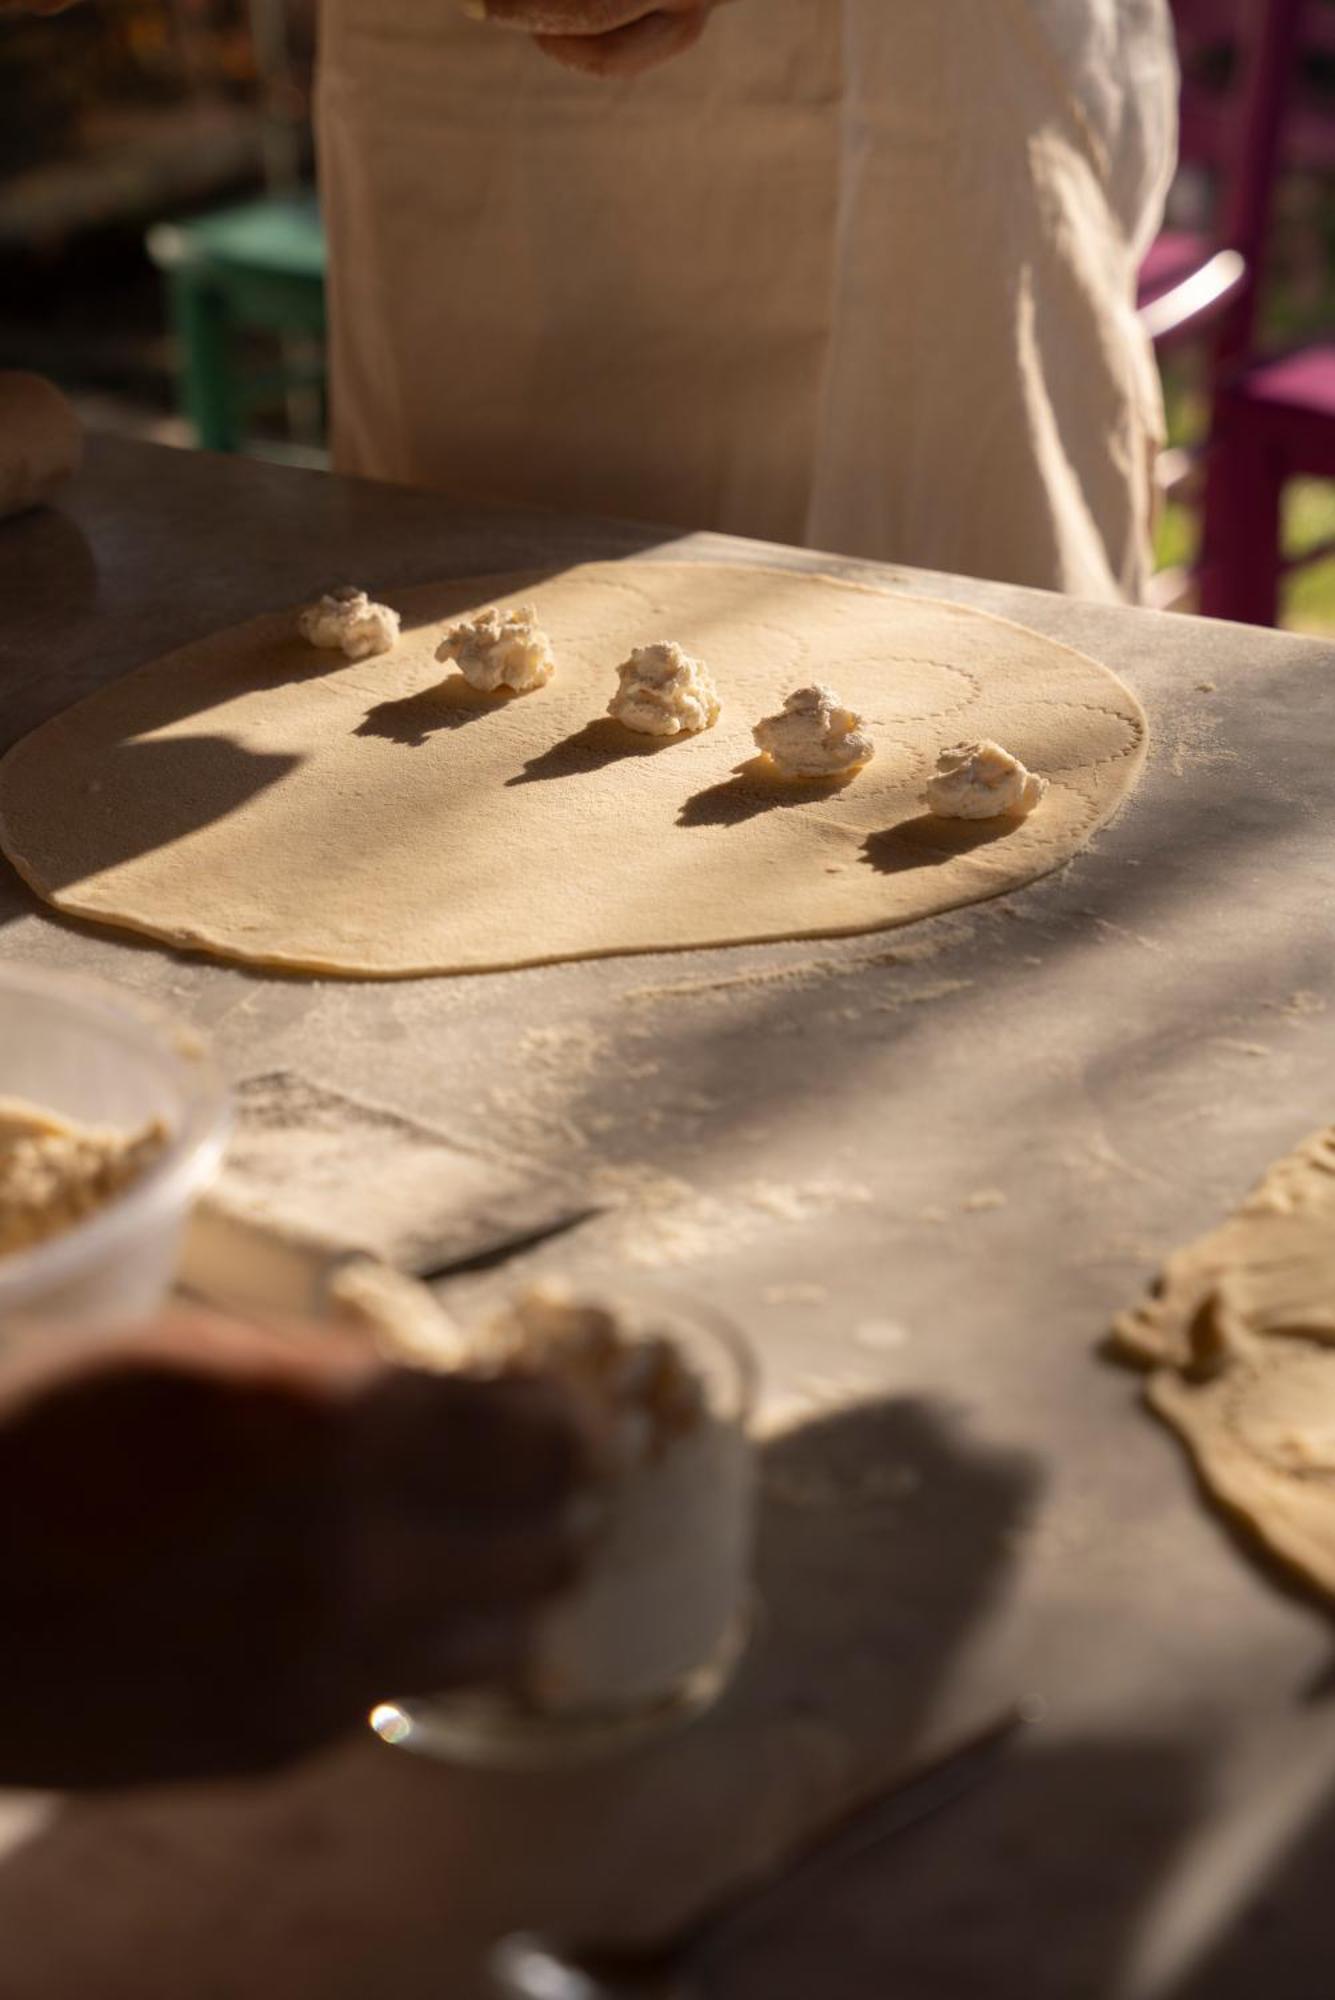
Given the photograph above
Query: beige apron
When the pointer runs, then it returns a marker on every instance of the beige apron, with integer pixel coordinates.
(858, 273)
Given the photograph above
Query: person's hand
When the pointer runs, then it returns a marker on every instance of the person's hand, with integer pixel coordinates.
(605, 38)
(219, 1545)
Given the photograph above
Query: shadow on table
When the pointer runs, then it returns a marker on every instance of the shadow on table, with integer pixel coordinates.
(885, 1537)
(1035, 1885)
(44, 537)
(1277, 1933)
(884, 1540)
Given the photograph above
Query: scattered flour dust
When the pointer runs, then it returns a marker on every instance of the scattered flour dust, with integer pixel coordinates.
(880, 1336)
(983, 1200)
(804, 1200)
(560, 1065)
(795, 1295)
(667, 1221)
(558, 1062)
(1194, 745)
(1302, 1005)
(923, 996)
(1099, 1162)
(799, 973)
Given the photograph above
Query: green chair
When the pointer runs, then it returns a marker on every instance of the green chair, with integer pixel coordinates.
(258, 268)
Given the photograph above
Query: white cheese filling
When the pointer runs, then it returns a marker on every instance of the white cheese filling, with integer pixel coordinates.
(664, 691)
(500, 649)
(347, 621)
(815, 736)
(982, 781)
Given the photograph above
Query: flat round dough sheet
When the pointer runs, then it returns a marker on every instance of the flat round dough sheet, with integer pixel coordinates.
(250, 796)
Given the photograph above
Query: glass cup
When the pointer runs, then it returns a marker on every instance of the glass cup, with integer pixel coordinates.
(652, 1630)
(100, 1056)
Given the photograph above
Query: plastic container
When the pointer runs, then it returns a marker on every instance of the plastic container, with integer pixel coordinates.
(98, 1055)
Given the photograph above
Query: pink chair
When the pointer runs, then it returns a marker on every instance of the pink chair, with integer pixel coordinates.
(1194, 283)
(1274, 421)
(1207, 288)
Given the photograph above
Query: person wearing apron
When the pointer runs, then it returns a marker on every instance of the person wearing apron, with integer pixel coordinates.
(858, 274)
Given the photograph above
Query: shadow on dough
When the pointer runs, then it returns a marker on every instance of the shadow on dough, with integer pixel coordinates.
(597, 744)
(414, 718)
(756, 787)
(927, 842)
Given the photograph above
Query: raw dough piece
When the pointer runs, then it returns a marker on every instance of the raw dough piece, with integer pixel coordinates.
(1239, 1339)
(500, 648)
(664, 692)
(54, 1173)
(982, 781)
(244, 797)
(814, 736)
(348, 622)
(400, 1314)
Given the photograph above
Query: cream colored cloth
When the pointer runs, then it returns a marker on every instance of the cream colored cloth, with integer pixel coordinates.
(858, 273)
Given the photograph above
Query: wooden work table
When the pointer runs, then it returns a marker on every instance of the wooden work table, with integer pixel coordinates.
(922, 1169)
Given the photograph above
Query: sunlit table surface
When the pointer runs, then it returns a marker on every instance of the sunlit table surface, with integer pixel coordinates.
(922, 1169)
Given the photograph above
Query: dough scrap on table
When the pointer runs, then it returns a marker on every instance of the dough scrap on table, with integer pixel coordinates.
(1237, 1339)
(380, 822)
(663, 691)
(349, 622)
(500, 649)
(815, 736)
(982, 781)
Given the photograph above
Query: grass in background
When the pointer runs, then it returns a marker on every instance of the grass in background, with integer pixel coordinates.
(1309, 520)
